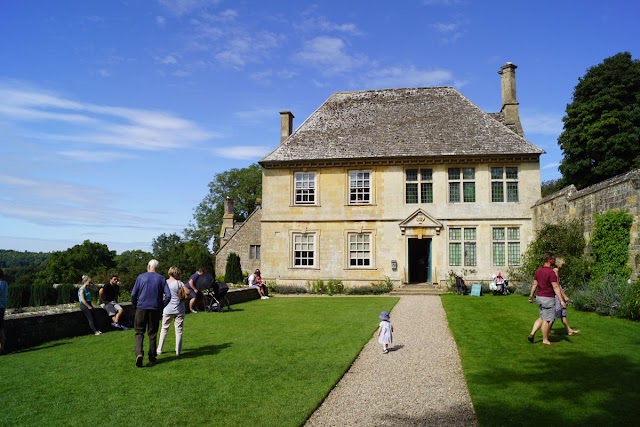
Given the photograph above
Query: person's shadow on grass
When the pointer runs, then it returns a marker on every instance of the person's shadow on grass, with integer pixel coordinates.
(206, 350)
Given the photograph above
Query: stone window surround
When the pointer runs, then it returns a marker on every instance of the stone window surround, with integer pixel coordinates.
(300, 191)
(361, 232)
(466, 245)
(505, 180)
(294, 235)
(506, 241)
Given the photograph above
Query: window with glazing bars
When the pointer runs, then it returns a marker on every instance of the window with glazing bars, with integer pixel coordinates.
(504, 181)
(305, 188)
(359, 187)
(462, 185)
(506, 246)
(360, 250)
(304, 250)
(419, 186)
(254, 251)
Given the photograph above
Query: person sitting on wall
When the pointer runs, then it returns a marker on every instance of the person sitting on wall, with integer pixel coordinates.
(109, 295)
(255, 281)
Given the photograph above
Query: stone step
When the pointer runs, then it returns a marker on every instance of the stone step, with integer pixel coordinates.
(418, 290)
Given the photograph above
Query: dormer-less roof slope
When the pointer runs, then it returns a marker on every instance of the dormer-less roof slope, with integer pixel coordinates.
(397, 123)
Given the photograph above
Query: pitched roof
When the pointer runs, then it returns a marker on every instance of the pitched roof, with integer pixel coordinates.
(396, 123)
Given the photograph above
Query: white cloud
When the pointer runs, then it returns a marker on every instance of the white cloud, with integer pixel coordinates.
(443, 2)
(541, 123)
(169, 59)
(87, 123)
(450, 31)
(95, 156)
(104, 72)
(321, 23)
(551, 166)
(408, 76)
(329, 55)
(161, 21)
(243, 48)
(184, 7)
(258, 114)
(247, 152)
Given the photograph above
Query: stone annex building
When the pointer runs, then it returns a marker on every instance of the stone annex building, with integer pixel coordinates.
(405, 183)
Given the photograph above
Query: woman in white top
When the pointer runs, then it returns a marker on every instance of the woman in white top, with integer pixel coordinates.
(173, 311)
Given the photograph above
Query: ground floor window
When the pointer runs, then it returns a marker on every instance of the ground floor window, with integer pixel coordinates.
(360, 250)
(254, 251)
(462, 247)
(506, 246)
(304, 249)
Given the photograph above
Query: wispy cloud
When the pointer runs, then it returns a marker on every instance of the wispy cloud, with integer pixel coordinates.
(541, 123)
(551, 166)
(87, 124)
(257, 115)
(246, 152)
(449, 31)
(408, 76)
(322, 24)
(95, 156)
(56, 202)
(184, 7)
(329, 55)
(443, 2)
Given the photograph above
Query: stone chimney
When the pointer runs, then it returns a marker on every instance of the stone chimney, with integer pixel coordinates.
(227, 218)
(286, 125)
(510, 104)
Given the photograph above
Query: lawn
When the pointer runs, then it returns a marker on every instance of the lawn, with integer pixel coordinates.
(266, 363)
(591, 379)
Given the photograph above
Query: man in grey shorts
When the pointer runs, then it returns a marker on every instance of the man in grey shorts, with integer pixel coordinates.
(109, 294)
(546, 287)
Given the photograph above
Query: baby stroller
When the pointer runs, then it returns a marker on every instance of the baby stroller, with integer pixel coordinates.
(215, 298)
(461, 287)
(499, 285)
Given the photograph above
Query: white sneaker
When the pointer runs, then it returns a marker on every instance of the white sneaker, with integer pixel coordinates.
(193, 311)
(158, 352)
(263, 297)
(98, 333)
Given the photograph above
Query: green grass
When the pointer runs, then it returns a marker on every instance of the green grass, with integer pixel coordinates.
(592, 379)
(266, 363)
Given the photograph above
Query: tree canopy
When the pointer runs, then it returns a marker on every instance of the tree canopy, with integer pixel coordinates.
(188, 255)
(601, 137)
(243, 186)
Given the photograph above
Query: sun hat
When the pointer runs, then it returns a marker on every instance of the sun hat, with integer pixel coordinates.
(384, 315)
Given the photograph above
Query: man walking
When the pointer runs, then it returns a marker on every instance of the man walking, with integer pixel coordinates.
(149, 296)
(546, 287)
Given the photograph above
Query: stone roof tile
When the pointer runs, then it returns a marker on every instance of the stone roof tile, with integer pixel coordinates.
(396, 123)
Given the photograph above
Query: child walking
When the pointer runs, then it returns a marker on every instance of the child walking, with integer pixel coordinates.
(385, 332)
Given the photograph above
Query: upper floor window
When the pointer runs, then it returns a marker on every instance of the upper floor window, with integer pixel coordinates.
(418, 186)
(462, 185)
(359, 187)
(304, 252)
(360, 250)
(462, 246)
(305, 188)
(506, 246)
(504, 181)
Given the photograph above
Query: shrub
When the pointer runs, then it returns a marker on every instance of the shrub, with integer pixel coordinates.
(316, 287)
(42, 295)
(233, 270)
(19, 295)
(610, 244)
(335, 287)
(382, 287)
(286, 289)
(603, 296)
(66, 294)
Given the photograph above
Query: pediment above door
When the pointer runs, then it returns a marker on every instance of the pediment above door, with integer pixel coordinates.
(421, 220)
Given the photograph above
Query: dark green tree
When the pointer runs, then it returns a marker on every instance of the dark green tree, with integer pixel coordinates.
(129, 264)
(610, 244)
(188, 255)
(551, 186)
(233, 271)
(601, 137)
(243, 186)
(68, 266)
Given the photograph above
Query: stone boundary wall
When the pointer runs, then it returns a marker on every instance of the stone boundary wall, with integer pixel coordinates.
(620, 192)
(26, 330)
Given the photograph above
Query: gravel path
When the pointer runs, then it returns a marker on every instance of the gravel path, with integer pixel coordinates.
(419, 383)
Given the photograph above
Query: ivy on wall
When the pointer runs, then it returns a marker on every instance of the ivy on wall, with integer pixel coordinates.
(610, 244)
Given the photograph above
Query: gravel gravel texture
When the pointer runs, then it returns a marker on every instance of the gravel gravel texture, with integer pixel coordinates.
(418, 383)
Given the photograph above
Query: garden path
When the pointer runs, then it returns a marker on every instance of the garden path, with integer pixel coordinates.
(418, 383)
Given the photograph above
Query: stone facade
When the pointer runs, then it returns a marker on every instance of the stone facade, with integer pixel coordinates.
(621, 192)
(243, 239)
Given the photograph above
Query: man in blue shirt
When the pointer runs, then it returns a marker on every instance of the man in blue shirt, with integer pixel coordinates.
(4, 292)
(149, 296)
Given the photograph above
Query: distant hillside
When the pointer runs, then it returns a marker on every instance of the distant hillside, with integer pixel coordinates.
(11, 258)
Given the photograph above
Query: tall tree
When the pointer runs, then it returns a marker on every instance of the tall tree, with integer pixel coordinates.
(601, 136)
(69, 266)
(243, 186)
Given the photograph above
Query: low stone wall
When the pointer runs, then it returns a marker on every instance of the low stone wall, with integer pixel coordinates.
(29, 329)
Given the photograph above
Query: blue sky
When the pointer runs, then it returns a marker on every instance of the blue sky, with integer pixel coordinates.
(116, 114)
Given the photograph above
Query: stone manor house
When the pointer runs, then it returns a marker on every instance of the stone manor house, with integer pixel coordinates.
(406, 183)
